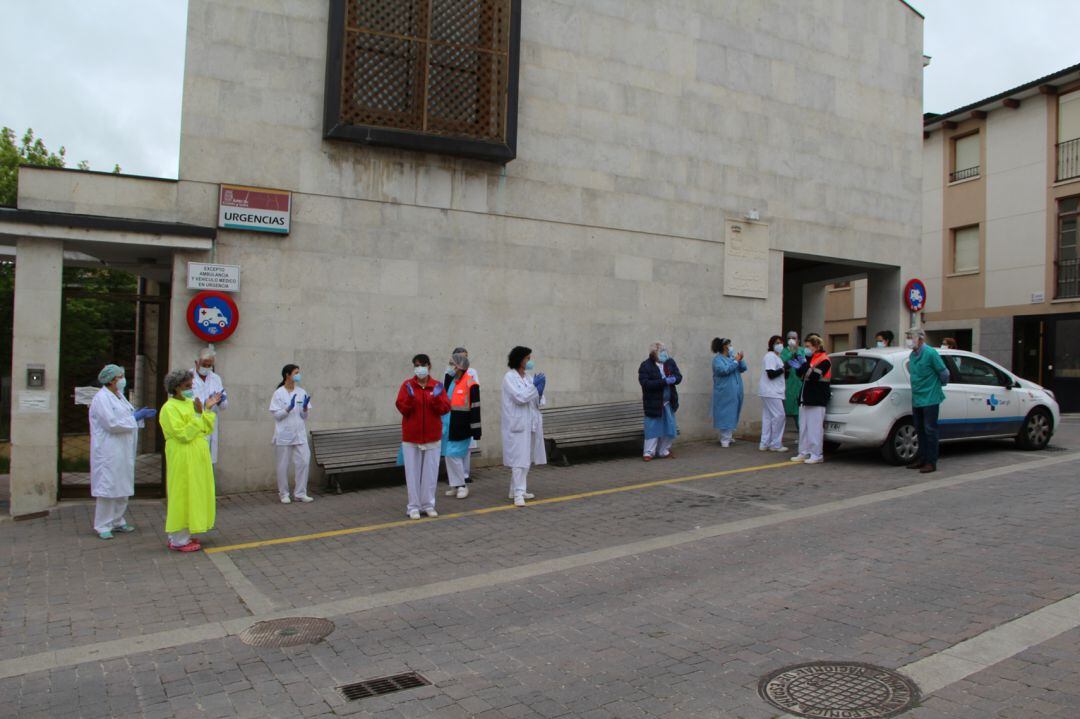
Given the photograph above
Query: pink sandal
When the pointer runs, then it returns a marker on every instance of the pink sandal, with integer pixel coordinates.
(191, 546)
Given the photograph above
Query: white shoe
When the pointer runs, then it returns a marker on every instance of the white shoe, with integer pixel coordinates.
(286, 500)
(414, 514)
(451, 492)
(305, 499)
(519, 501)
(813, 460)
(462, 492)
(527, 495)
(725, 444)
(762, 448)
(779, 449)
(431, 513)
(800, 458)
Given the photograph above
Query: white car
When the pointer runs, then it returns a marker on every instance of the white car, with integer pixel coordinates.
(871, 403)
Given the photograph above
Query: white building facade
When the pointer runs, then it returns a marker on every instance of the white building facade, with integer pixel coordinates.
(646, 135)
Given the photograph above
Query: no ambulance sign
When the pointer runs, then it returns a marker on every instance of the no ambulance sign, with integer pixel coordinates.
(254, 208)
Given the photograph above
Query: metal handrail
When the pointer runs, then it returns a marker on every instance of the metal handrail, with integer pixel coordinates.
(1068, 159)
(965, 174)
(1068, 278)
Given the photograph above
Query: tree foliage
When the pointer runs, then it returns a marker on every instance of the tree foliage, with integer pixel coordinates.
(28, 150)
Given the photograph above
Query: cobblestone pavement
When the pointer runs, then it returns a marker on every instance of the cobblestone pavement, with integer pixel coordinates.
(665, 600)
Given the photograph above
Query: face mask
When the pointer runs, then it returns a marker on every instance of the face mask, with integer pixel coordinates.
(809, 349)
(778, 348)
(297, 377)
(530, 365)
(420, 372)
(188, 394)
(451, 369)
(121, 384)
(880, 344)
(203, 371)
(909, 343)
(663, 356)
(791, 343)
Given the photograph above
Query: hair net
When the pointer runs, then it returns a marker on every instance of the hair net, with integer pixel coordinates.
(109, 372)
(793, 335)
(174, 379)
(207, 353)
(461, 360)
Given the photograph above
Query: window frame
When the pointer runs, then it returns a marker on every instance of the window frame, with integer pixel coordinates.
(954, 166)
(488, 150)
(978, 247)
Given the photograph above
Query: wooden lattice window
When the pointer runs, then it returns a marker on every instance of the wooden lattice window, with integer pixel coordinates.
(431, 75)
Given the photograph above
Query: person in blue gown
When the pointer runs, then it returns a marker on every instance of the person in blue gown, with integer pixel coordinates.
(727, 396)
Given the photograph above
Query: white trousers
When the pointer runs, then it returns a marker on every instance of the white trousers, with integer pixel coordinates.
(421, 475)
(772, 422)
(658, 445)
(456, 469)
(179, 539)
(811, 431)
(109, 513)
(467, 461)
(518, 481)
(299, 456)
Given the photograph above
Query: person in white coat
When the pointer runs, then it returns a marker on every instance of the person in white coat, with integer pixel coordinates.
(114, 432)
(772, 388)
(522, 424)
(207, 383)
(290, 407)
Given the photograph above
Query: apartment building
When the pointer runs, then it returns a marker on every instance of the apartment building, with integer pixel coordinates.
(1001, 202)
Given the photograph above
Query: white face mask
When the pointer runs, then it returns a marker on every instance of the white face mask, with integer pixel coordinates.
(909, 343)
(791, 343)
(778, 348)
(121, 385)
(880, 344)
(203, 371)
(420, 372)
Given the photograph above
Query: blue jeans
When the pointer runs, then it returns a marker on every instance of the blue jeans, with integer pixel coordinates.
(926, 419)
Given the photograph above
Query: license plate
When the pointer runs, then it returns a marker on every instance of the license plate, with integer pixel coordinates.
(832, 426)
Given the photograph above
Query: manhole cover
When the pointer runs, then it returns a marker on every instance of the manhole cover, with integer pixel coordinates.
(839, 690)
(289, 632)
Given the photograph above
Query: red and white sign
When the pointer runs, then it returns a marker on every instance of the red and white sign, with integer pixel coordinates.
(212, 316)
(254, 208)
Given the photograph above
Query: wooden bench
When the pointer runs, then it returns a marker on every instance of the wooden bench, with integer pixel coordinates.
(356, 449)
(589, 425)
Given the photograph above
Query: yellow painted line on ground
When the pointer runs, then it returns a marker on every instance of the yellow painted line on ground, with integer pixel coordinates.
(489, 510)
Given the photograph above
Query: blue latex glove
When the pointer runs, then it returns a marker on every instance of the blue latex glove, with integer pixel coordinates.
(292, 404)
(671, 379)
(307, 401)
(438, 389)
(409, 389)
(540, 382)
(144, 413)
(224, 397)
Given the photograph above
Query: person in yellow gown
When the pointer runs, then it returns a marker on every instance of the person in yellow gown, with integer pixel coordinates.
(189, 477)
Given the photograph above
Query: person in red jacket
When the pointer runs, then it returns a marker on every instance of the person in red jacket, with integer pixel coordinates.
(422, 402)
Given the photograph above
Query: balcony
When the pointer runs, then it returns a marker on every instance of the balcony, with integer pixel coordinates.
(965, 174)
(1068, 279)
(1068, 160)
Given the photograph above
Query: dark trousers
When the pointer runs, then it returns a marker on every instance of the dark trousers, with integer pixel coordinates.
(926, 419)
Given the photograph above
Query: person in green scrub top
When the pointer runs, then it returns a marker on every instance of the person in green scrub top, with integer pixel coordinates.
(794, 383)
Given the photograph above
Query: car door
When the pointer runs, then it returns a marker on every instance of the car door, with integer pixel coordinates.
(954, 414)
(993, 406)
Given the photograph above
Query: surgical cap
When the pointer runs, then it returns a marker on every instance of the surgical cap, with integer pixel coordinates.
(461, 360)
(793, 335)
(109, 372)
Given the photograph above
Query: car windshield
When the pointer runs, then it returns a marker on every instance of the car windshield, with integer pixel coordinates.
(852, 369)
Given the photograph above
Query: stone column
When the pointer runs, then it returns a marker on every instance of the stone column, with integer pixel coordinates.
(885, 308)
(39, 267)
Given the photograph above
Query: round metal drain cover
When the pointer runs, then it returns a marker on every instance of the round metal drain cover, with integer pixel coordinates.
(839, 690)
(289, 632)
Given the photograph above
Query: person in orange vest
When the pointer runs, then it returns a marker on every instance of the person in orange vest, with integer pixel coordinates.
(422, 403)
(461, 425)
(816, 374)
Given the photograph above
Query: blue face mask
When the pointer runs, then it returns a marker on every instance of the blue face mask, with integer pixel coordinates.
(297, 377)
(188, 394)
(121, 385)
(530, 365)
(663, 356)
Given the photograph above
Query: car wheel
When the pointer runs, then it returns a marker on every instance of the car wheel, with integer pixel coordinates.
(902, 446)
(1036, 430)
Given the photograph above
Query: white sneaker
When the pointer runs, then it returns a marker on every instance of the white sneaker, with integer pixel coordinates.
(286, 500)
(414, 514)
(305, 499)
(462, 492)
(431, 513)
(725, 444)
(519, 501)
(800, 458)
(779, 449)
(451, 492)
(814, 460)
(527, 495)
